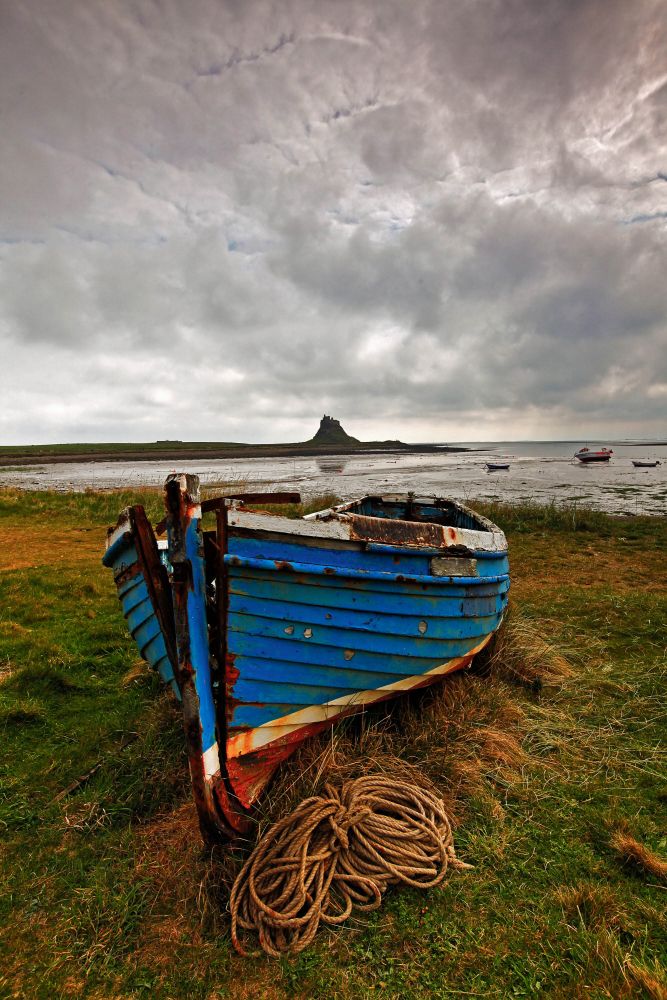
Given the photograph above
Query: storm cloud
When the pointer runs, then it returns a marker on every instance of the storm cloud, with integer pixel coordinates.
(437, 220)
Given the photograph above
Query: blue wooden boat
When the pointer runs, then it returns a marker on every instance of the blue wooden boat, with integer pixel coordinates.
(270, 628)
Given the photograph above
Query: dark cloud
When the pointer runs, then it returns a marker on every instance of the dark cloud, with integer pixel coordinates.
(435, 220)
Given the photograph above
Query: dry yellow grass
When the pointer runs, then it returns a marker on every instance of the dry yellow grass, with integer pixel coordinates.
(36, 545)
(635, 855)
(653, 983)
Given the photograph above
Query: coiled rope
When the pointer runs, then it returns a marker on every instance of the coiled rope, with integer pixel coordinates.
(337, 851)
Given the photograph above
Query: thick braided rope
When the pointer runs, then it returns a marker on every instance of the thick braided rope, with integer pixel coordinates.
(336, 851)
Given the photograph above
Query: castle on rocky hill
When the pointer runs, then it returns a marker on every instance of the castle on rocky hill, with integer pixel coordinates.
(330, 432)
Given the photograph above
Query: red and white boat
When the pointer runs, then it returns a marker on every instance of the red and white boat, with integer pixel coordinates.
(586, 455)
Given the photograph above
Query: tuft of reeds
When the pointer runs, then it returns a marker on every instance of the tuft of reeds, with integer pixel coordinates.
(137, 674)
(653, 983)
(519, 652)
(633, 854)
(591, 904)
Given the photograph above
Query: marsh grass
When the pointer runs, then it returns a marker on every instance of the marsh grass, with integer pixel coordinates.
(548, 747)
(530, 516)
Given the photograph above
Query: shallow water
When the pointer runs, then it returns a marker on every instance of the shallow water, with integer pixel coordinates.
(539, 471)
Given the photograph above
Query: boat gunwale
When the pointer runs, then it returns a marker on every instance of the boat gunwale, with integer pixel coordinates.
(341, 524)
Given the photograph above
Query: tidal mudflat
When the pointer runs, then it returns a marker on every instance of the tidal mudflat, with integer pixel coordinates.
(540, 472)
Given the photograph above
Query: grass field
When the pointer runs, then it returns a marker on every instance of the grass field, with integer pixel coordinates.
(556, 785)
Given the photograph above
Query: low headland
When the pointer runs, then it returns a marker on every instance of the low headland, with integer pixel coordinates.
(330, 439)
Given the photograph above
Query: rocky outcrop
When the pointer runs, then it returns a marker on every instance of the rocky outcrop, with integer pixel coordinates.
(331, 434)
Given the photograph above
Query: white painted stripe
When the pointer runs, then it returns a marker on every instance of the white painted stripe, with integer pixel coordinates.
(276, 728)
(211, 759)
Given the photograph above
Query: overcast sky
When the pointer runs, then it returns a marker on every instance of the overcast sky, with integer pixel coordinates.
(433, 219)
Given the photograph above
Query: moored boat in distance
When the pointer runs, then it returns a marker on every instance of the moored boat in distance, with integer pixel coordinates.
(497, 466)
(645, 463)
(587, 455)
(271, 628)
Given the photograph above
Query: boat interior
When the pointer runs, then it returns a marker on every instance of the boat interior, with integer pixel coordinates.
(419, 510)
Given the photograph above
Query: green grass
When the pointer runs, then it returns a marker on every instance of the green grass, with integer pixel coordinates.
(87, 511)
(105, 891)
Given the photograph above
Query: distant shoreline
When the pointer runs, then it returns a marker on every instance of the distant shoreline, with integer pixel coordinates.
(174, 451)
(32, 455)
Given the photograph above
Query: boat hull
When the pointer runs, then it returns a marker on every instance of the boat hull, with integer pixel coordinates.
(586, 456)
(144, 591)
(314, 633)
(278, 628)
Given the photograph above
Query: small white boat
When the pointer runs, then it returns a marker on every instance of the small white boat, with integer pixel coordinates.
(645, 464)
